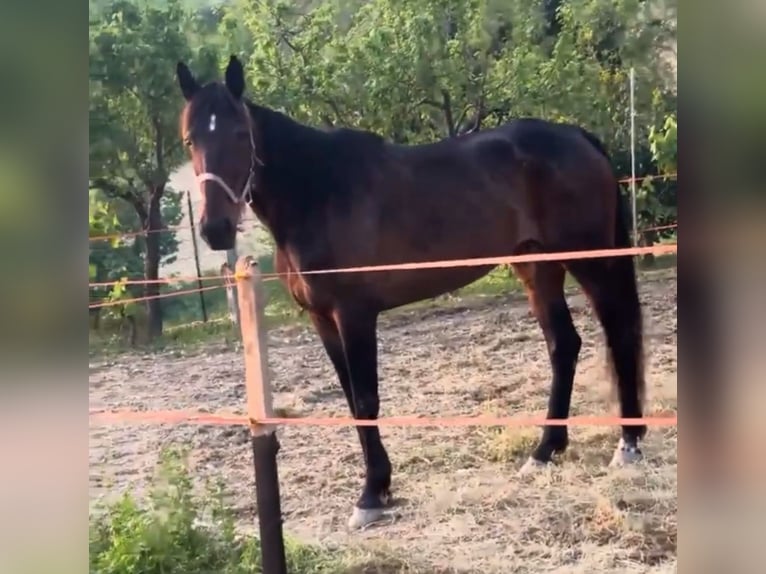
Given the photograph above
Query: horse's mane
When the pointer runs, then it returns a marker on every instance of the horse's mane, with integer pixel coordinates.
(313, 165)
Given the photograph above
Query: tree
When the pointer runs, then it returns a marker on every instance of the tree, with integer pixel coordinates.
(659, 206)
(102, 222)
(664, 144)
(105, 254)
(416, 71)
(134, 106)
(121, 255)
(408, 69)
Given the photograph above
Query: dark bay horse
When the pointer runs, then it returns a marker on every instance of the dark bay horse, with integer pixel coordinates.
(346, 198)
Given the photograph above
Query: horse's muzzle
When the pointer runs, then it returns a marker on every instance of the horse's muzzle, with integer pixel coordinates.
(220, 234)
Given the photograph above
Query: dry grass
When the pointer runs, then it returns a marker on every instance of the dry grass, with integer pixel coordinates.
(460, 506)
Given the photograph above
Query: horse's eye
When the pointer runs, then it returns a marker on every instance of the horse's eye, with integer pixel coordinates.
(187, 141)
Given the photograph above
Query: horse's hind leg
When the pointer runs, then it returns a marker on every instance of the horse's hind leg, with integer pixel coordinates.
(612, 290)
(544, 283)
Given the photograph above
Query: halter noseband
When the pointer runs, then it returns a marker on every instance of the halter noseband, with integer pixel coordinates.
(246, 194)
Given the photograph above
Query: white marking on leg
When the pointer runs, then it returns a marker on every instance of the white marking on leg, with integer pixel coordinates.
(532, 466)
(625, 454)
(362, 517)
(211, 125)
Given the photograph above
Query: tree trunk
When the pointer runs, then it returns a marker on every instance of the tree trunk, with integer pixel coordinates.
(152, 266)
(647, 240)
(133, 334)
(95, 315)
(448, 118)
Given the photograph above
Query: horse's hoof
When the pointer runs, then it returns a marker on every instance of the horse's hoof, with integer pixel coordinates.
(532, 466)
(362, 517)
(625, 454)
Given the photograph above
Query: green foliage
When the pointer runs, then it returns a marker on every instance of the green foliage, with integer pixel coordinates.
(123, 256)
(180, 531)
(664, 144)
(415, 71)
(134, 97)
(656, 202)
(107, 258)
(102, 220)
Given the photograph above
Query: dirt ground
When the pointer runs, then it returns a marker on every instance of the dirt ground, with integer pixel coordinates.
(460, 505)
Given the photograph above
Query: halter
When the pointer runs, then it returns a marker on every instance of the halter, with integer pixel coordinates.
(246, 195)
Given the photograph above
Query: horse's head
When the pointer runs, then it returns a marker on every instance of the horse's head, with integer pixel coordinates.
(217, 129)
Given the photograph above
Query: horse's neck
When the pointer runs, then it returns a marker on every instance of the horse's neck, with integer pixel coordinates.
(279, 132)
(303, 170)
(287, 147)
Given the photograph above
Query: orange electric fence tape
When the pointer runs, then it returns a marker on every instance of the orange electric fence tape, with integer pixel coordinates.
(185, 417)
(660, 249)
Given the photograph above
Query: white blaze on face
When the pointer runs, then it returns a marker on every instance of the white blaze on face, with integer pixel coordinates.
(211, 125)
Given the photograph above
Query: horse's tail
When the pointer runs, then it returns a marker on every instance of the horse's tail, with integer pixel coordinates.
(624, 286)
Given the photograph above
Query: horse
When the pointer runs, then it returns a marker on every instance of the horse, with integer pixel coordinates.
(340, 198)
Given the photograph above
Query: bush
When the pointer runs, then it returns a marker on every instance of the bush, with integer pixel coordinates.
(181, 532)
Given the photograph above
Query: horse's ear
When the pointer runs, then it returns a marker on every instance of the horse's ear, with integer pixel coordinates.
(235, 77)
(186, 81)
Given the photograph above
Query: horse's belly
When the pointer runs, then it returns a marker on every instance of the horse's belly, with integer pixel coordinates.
(486, 239)
(403, 287)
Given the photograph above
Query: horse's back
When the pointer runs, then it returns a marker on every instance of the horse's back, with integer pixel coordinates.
(529, 178)
(558, 144)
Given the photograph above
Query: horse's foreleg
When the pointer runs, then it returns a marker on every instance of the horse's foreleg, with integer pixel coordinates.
(350, 342)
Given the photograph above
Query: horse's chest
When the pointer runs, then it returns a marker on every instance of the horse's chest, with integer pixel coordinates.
(295, 284)
(299, 291)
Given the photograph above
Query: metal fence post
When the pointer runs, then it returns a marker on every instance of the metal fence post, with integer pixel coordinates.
(196, 257)
(633, 156)
(231, 290)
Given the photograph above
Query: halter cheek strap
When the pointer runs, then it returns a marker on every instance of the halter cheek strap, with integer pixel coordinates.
(246, 195)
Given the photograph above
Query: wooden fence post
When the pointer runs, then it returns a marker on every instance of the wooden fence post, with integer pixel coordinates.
(259, 406)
